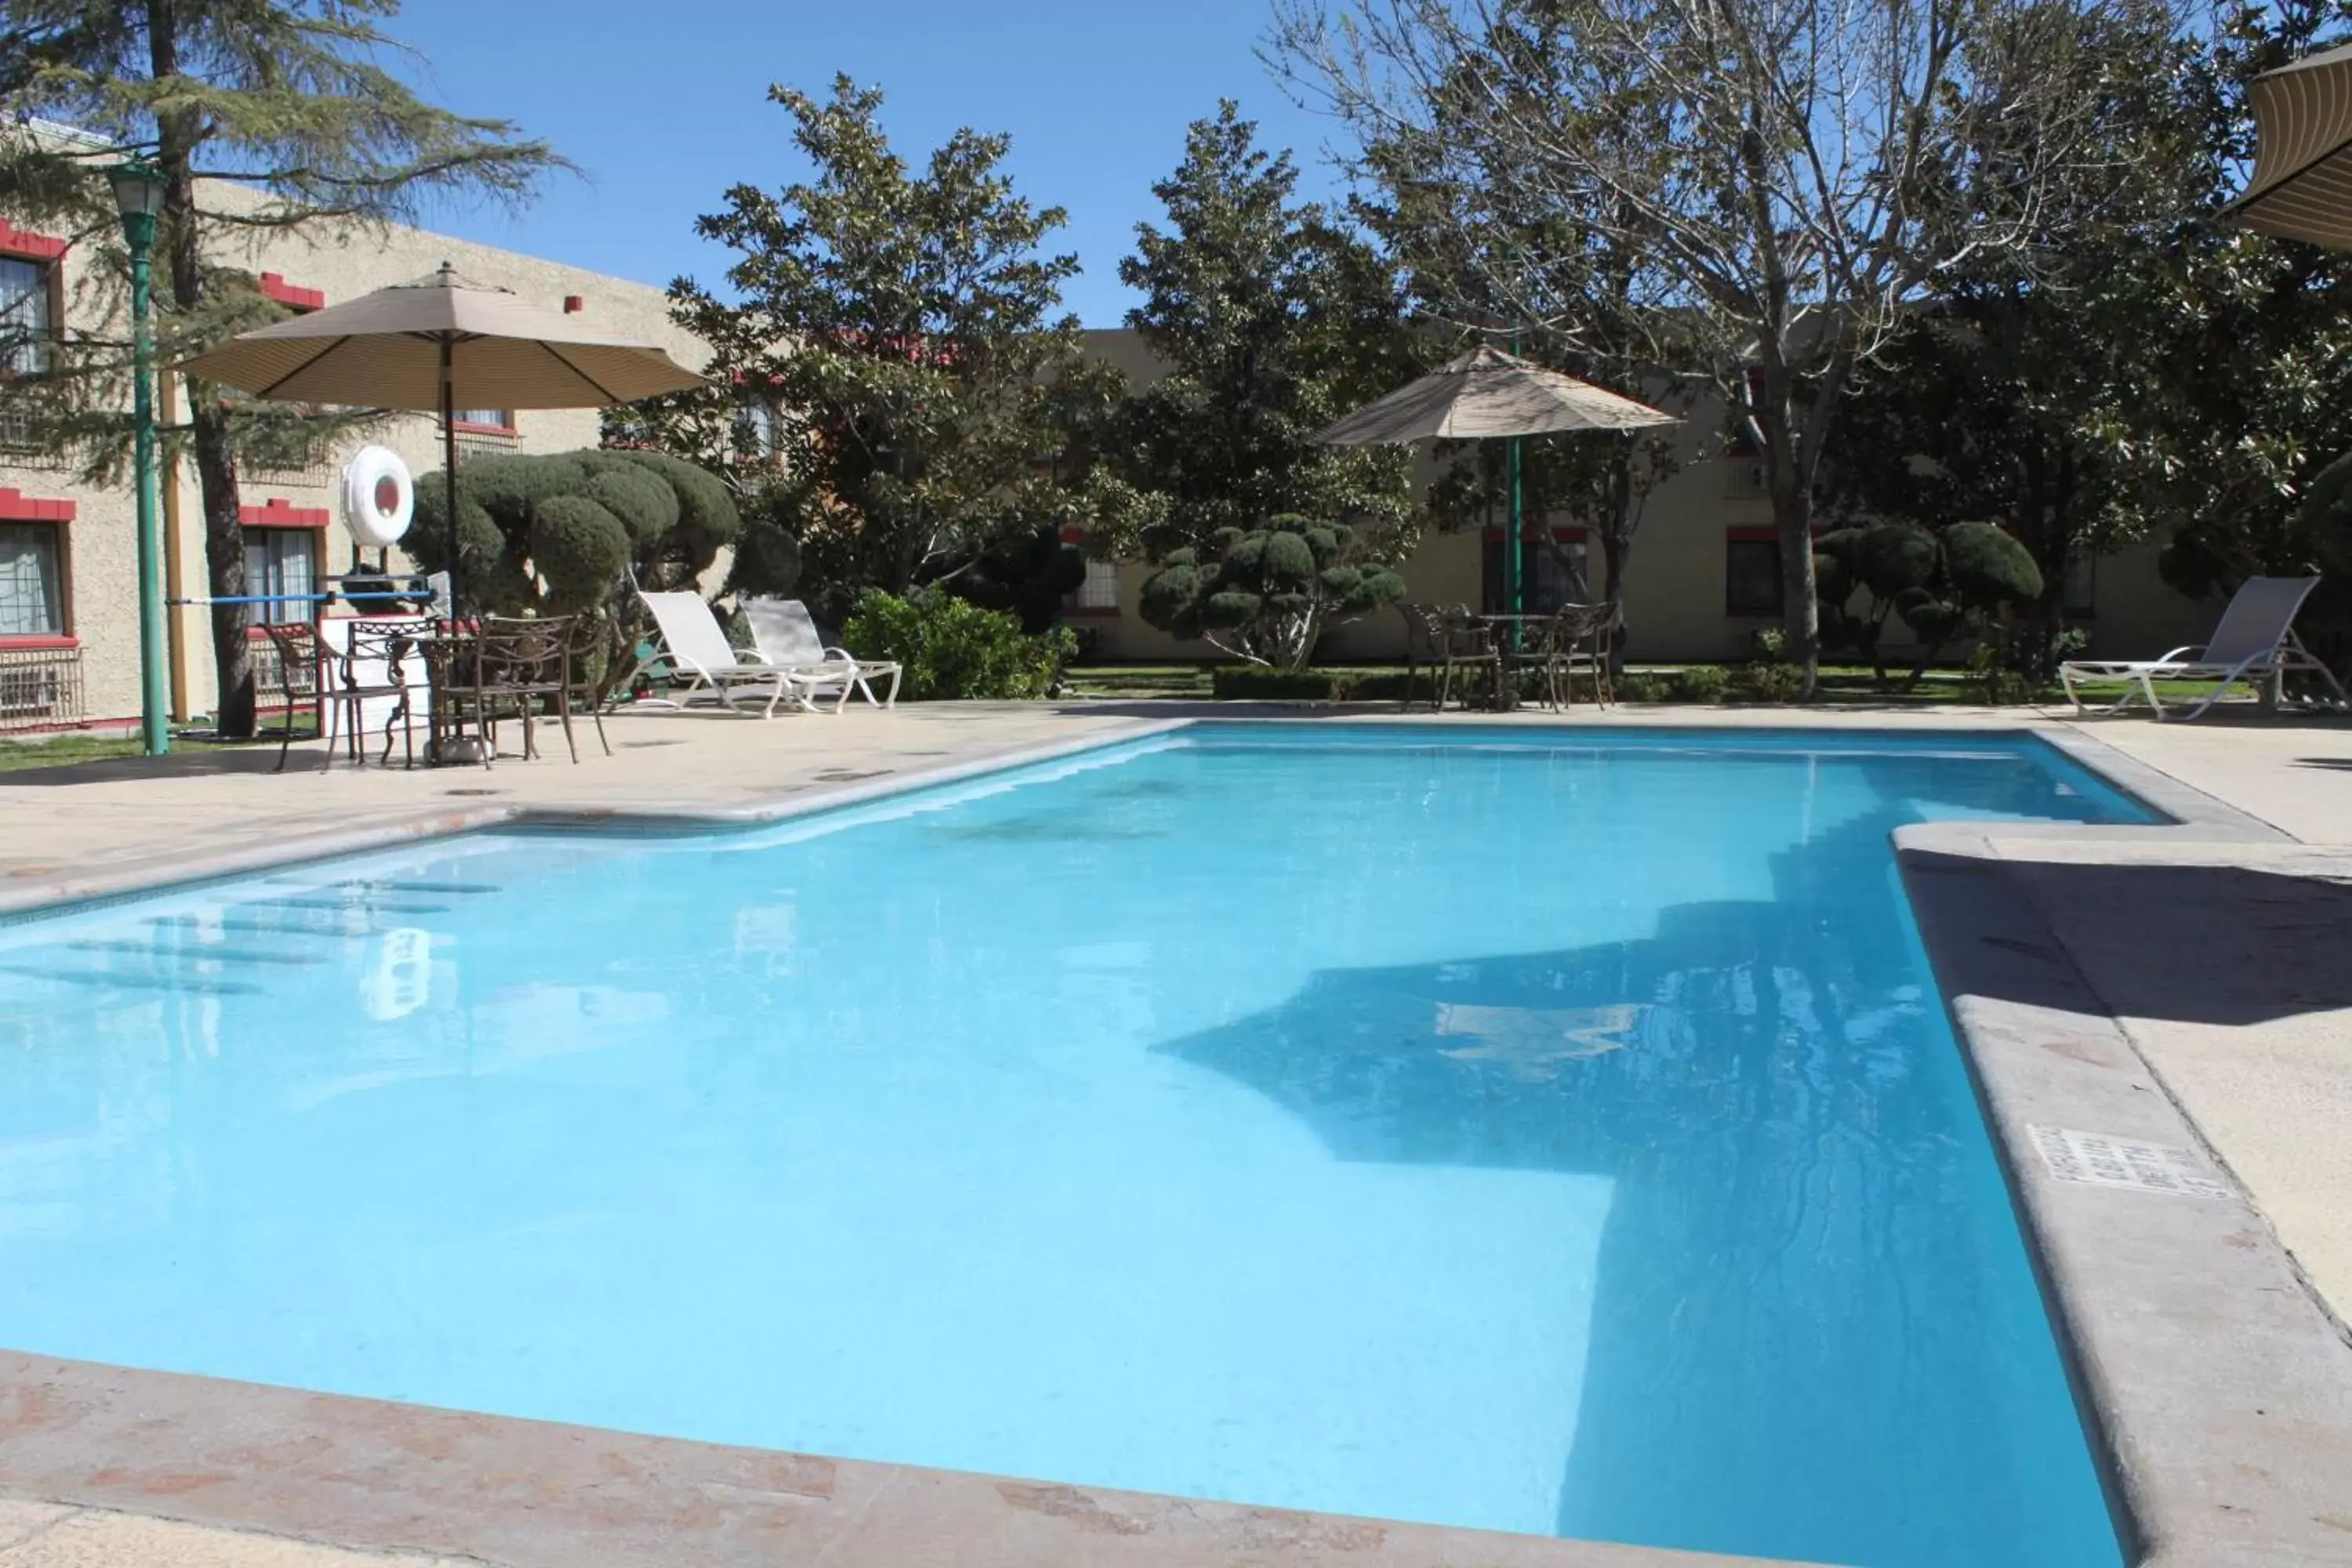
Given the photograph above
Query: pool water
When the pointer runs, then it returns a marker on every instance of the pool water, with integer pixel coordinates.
(1557, 1135)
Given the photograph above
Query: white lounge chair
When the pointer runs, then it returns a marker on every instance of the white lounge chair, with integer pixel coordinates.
(2254, 642)
(690, 642)
(788, 639)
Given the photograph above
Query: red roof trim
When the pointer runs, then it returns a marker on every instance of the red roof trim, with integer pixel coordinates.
(17, 241)
(278, 513)
(274, 286)
(17, 507)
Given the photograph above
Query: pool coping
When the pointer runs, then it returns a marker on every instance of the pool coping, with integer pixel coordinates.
(2213, 1385)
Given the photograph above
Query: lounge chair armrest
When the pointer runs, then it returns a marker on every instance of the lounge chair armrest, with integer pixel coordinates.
(2188, 655)
(752, 655)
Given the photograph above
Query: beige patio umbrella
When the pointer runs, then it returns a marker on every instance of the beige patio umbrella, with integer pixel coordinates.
(2302, 187)
(437, 345)
(1488, 392)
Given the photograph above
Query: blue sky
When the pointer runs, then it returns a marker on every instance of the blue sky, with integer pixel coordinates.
(664, 106)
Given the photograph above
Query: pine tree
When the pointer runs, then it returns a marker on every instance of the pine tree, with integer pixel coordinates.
(261, 115)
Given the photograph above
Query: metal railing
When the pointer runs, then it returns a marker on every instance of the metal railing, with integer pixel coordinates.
(19, 448)
(40, 688)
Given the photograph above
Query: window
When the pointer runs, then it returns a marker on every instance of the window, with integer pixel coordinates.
(757, 418)
(1752, 573)
(1551, 573)
(32, 597)
(1099, 592)
(2078, 596)
(483, 418)
(282, 561)
(27, 317)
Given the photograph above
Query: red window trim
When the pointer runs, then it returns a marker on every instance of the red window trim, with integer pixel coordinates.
(467, 427)
(17, 507)
(275, 287)
(280, 513)
(46, 641)
(29, 246)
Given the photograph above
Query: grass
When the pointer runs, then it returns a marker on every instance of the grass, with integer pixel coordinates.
(64, 748)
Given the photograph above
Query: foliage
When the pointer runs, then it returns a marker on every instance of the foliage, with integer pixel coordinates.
(1971, 578)
(2252, 349)
(1028, 574)
(1486, 255)
(262, 116)
(1701, 683)
(952, 649)
(559, 531)
(1779, 185)
(1640, 686)
(895, 330)
(1268, 595)
(1271, 319)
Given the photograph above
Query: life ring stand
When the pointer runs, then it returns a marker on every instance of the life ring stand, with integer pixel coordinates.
(379, 495)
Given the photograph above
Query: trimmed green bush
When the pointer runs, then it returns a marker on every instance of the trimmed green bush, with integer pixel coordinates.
(1988, 568)
(1701, 683)
(1269, 593)
(664, 517)
(951, 648)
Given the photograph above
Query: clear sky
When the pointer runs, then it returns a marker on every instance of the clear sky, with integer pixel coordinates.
(663, 105)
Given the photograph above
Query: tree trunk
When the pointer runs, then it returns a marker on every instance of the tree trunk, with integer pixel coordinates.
(181, 243)
(1615, 546)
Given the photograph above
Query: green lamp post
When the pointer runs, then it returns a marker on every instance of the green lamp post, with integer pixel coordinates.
(139, 197)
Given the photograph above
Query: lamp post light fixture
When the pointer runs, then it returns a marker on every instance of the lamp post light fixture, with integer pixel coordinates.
(139, 197)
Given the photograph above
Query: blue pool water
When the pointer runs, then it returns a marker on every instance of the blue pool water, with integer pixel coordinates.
(1546, 1135)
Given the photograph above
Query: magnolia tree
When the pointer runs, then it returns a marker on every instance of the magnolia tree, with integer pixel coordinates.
(1776, 182)
(1268, 595)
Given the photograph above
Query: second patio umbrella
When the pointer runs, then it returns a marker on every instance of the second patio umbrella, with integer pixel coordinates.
(437, 346)
(1488, 392)
(2302, 187)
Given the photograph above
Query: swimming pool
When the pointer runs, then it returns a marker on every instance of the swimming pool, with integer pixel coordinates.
(1531, 1131)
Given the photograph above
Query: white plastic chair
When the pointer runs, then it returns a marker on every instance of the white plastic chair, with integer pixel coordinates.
(788, 639)
(2254, 642)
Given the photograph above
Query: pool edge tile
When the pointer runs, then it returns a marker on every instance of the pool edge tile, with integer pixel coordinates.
(2193, 1344)
(371, 1475)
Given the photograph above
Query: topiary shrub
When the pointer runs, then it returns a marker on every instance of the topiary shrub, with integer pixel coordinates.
(1640, 686)
(670, 520)
(951, 648)
(1989, 571)
(1268, 595)
(1701, 683)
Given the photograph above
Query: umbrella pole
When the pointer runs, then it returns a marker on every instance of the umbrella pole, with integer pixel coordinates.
(1513, 537)
(450, 467)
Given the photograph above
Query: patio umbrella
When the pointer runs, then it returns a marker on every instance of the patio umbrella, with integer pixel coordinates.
(1488, 392)
(437, 345)
(2302, 187)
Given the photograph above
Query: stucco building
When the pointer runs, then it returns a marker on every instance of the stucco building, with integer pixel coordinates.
(1704, 576)
(69, 582)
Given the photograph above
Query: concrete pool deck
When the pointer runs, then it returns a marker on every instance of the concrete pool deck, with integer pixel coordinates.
(2186, 985)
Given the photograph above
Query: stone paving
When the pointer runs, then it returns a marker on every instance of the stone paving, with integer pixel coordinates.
(2219, 951)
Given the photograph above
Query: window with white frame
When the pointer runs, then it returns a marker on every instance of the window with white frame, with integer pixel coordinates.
(483, 418)
(281, 567)
(27, 320)
(1099, 590)
(32, 586)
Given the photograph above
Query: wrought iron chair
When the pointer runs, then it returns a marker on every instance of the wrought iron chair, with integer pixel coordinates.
(374, 661)
(519, 667)
(1468, 643)
(291, 675)
(1578, 639)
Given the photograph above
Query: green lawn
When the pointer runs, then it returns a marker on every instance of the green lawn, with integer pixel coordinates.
(59, 751)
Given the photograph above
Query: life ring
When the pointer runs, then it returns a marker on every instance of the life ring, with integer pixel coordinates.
(378, 497)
